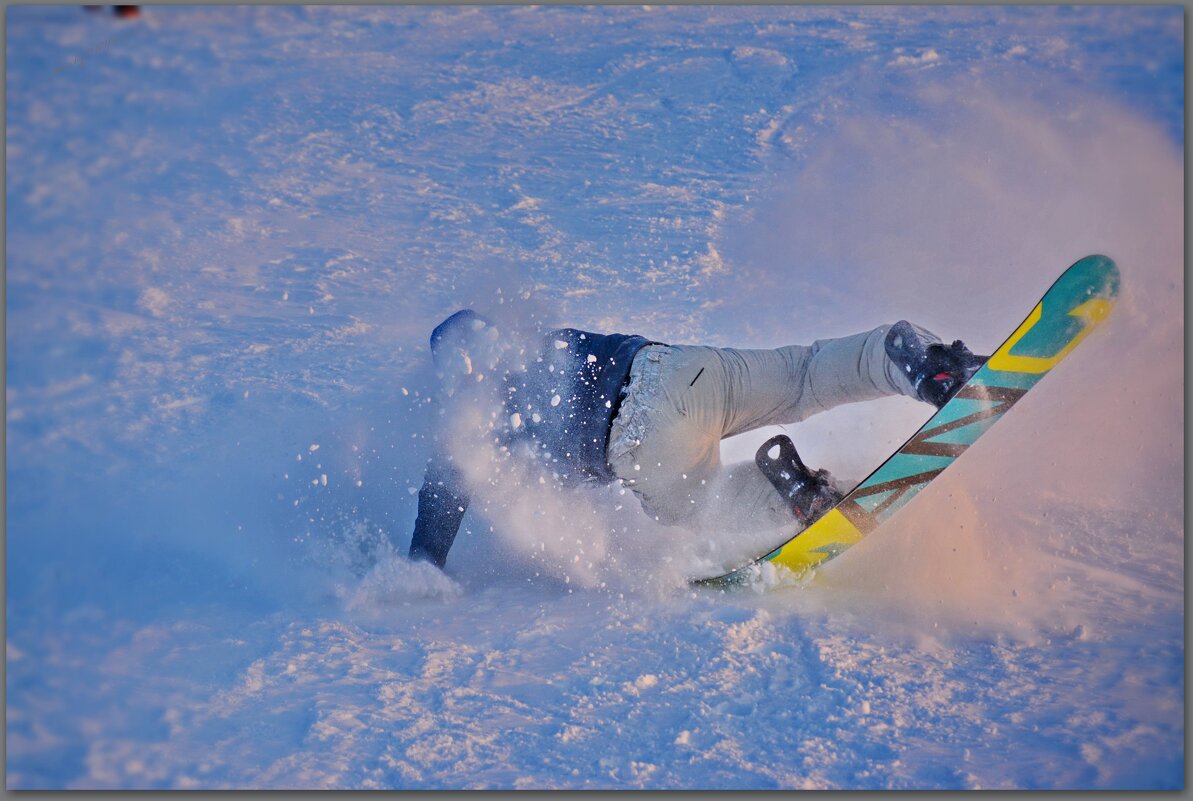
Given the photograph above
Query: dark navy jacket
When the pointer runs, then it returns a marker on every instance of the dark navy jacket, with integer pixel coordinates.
(560, 400)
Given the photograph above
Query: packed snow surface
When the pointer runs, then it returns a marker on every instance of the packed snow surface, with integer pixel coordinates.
(231, 230)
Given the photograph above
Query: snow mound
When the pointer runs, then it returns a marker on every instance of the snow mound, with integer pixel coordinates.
(395, 581)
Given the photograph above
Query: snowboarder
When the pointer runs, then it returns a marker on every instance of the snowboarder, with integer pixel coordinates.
(600, 408)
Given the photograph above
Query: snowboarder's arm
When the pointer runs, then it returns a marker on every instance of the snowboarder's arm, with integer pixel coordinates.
(441, 504)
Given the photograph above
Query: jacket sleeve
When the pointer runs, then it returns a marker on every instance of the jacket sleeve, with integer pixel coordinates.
(441, 505)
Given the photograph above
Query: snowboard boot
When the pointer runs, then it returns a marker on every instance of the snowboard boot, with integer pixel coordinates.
(809, 493)
(937, 371)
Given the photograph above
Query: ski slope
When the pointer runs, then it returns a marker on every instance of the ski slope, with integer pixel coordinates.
(231, 230)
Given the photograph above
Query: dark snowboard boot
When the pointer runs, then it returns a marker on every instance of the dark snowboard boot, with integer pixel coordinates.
(937, 371)
(810, 493)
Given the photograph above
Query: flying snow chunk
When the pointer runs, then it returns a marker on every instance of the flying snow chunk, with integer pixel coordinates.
(555, 401)
(314, 447)
(591, 358)
(560, 344)
(516, 421)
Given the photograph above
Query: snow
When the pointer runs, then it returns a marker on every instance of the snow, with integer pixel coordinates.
(231, 230)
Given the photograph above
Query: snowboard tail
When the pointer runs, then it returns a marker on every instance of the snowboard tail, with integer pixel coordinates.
(1075, 305)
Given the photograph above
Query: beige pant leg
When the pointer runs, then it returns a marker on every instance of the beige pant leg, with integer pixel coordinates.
(683, 400)
(665, 445)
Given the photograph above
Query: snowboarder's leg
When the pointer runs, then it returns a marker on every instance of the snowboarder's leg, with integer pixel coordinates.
(788, 384)
(683, 400)
(851, 369)
(665, 445)
(728, 391)
(663, 454)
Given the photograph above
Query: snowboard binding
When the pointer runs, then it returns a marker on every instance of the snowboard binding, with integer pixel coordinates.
(937, 371)
(810, 493)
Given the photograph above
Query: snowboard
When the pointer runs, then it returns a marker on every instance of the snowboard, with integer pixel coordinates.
(1072, 307)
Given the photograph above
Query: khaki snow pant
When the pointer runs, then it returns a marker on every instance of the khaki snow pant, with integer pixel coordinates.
(682, 400)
